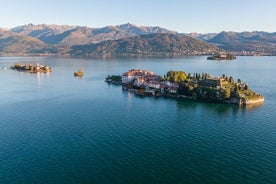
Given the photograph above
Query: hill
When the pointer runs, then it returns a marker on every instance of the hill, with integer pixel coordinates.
(148, 45)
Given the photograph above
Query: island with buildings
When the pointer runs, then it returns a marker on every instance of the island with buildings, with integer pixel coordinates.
(178, 84)
(222, 57)
(31, 68)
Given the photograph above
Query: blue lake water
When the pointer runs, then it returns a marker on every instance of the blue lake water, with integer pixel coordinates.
(55, 128)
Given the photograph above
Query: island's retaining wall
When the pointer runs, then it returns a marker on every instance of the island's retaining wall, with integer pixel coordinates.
(260, 100)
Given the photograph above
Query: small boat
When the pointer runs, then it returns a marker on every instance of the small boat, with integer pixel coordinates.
(79, 73)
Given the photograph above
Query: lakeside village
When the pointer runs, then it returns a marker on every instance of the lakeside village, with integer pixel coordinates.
(178, 84)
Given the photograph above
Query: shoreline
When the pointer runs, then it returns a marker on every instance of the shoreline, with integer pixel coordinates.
(126, 55)
(240, 102)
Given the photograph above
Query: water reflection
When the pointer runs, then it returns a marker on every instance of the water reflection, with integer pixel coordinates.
(221, 109)
(41, 77)
(78, 77)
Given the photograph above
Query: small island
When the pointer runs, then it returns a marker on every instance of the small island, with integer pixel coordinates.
(32, 68)
(222, 57)
(114, 79)
(178, 84)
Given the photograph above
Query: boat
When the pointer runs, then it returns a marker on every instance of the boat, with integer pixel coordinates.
(79, 73)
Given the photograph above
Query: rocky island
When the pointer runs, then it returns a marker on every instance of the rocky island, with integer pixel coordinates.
(178, 84)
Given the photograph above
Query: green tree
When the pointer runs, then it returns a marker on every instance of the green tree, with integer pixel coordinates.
(176, 76)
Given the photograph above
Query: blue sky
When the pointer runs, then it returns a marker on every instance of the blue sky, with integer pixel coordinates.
(184, 16)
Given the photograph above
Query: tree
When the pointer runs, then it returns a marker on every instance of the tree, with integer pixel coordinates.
(231, 79)
(246, 87)
(176, 76)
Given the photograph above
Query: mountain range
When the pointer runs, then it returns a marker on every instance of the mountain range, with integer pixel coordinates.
(71, 35)
(248, 42)
(158, 44)
(129, 39)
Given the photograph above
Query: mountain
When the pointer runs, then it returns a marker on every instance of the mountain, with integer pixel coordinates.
(159, 44)
(139, 30)
(49, 34)
(14, 43)
(58, 39)
(64, 35)
(257, 42)
(224, 37)
(203, 37)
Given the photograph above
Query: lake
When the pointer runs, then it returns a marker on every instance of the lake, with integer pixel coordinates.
(56, 128)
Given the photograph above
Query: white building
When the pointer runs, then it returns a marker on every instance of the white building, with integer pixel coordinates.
(133, 74)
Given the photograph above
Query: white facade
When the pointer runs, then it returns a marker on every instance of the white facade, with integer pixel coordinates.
(133, 74)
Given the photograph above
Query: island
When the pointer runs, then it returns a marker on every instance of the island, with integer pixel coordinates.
(114, 79)
(31, 68)
(178, 84)
(222, 57)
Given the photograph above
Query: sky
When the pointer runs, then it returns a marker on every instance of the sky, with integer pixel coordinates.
(184, 16)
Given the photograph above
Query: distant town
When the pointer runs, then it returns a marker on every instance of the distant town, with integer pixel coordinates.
(178, 84)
